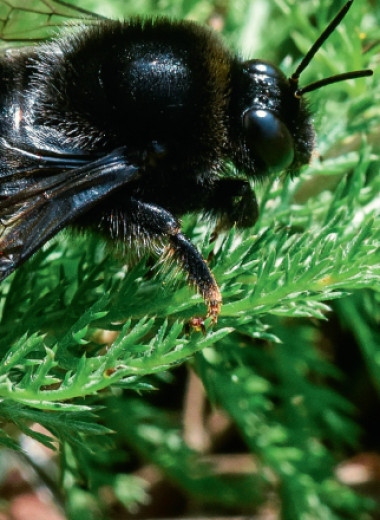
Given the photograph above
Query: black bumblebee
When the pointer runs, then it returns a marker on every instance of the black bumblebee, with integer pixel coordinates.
(125, 126)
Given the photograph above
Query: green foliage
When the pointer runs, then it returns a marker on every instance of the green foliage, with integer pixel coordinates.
(314, 250)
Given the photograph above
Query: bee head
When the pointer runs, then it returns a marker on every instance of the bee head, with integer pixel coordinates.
(274, 125)
(276, 129)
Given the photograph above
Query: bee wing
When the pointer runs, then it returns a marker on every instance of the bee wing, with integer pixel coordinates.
(31, 216)
(29, 21)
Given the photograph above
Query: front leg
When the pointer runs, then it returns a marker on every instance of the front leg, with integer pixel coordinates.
(156, 222)
(234, 202)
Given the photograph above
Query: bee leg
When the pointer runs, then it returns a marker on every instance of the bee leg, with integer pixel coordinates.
(234, 202)
(198, 273)
(158, 223)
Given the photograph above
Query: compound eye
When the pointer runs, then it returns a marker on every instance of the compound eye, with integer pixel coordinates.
(268, 138)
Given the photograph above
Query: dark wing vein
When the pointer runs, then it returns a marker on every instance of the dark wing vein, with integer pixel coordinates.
(31, 216)
(31, 21)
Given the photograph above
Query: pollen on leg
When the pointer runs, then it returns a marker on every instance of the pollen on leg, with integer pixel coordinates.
(213, 298)
(198, 273)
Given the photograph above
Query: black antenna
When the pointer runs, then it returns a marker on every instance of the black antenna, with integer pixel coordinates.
(312, 51)
(332, 79)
